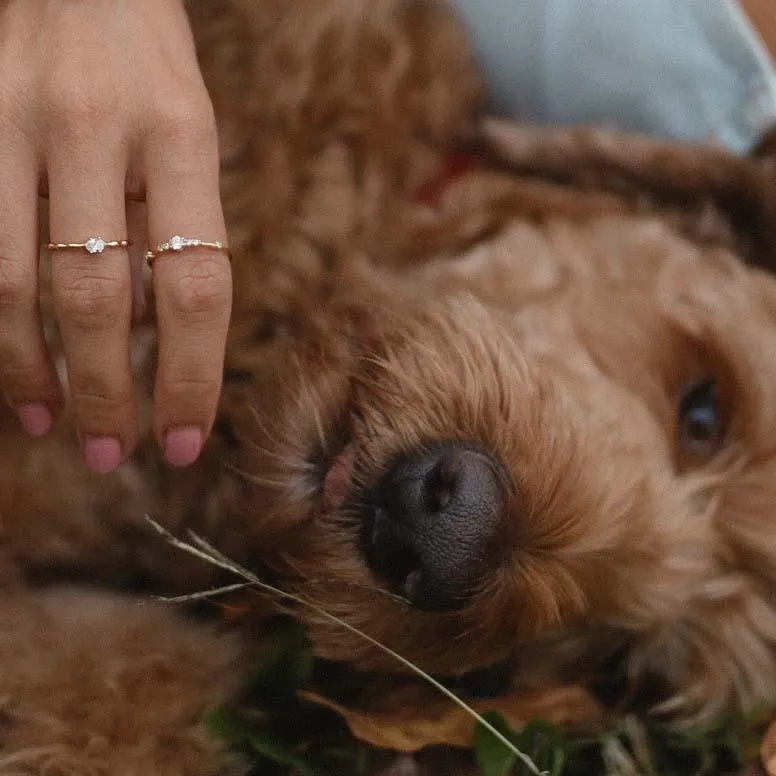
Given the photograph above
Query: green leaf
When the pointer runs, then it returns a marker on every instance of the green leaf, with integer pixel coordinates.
(545, 744)
(493, 757)
(229, 725)
(284, 665)
(542, 741)
(225, 724)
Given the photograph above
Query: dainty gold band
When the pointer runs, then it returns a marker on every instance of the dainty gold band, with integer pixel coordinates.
(92, 245)
(176, 244)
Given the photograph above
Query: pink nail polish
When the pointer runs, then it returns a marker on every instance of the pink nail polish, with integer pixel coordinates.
(35, 418)
(102, 454)
(183, 445)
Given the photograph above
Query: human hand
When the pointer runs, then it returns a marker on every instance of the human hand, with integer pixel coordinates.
(98, 100)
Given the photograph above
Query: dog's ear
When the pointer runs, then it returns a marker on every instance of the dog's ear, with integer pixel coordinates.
(765, 156)
(717, 196)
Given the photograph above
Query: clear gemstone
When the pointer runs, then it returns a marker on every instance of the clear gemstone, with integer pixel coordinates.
(95, 245)
(177, 243)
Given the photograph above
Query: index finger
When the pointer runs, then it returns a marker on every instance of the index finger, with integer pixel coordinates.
(193, 285)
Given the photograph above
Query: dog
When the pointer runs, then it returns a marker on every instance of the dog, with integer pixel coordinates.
(494, 395)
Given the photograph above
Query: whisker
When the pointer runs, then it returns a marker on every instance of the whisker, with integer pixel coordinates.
(256, 479)
(287, 461)
(273, 436)
(319, 427)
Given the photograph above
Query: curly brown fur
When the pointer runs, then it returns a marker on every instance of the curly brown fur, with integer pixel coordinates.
(95, 684)
(550, 307)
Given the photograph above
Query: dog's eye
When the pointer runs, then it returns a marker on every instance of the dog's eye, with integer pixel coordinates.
(700, 420)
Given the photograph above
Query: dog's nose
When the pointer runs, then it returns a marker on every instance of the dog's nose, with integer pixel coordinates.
(432, 522)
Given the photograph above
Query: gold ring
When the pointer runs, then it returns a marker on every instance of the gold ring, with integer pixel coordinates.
(92, 245)
(177, 243)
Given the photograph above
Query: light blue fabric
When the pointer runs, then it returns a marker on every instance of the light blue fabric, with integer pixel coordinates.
(692, 69)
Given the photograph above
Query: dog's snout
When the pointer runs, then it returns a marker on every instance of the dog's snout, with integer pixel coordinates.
(432, 521)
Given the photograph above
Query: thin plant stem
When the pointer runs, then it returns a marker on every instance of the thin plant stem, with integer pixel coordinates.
(202, 549)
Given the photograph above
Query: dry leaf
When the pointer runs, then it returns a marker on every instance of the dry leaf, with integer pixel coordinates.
(768, 750)
(411, 720)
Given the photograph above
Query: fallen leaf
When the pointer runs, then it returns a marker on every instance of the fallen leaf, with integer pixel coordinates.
(411, 720)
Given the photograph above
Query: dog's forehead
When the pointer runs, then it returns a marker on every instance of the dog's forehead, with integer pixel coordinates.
(530, 262)
(635, 275)
(629, 300)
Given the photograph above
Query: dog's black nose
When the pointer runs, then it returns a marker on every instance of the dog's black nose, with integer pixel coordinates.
(431, 523)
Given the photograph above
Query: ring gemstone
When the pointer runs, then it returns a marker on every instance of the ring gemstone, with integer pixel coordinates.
(95, 245)
(177, 243)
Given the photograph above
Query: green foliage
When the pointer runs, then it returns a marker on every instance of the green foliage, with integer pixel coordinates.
(275, 732)
(545, 744)
(258, 744)
(280, 735)
(285, 665)
(637, 748)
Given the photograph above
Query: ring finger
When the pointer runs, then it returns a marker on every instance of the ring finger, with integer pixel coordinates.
(93, 294)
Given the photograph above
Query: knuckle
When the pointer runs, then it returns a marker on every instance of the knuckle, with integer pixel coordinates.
(21, 377)
(7, 98)
(189, 123)
(203, 293)
(97, 397)
(17, 97)
(79, 106)
(190, 387)
(189, 395)
(92, 301)
(8, 107)
(17, 285)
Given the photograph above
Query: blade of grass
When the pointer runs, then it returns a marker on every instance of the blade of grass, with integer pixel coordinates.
(203, 594)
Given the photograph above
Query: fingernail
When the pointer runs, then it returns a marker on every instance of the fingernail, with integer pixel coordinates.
(35, 418)
(102, 454)
(183, 445)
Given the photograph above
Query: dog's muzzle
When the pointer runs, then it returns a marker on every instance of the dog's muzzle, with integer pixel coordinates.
(432, 523)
